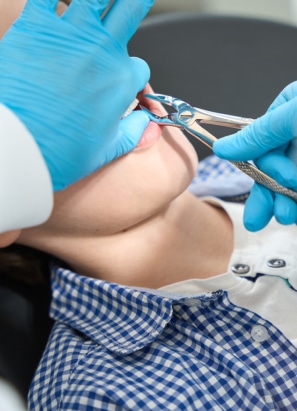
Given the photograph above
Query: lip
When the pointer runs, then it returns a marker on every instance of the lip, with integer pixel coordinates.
(153, 131)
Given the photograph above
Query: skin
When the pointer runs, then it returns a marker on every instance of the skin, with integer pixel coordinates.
(132, 222)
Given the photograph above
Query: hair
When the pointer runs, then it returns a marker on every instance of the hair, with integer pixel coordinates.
(24, 321)
(24, 264)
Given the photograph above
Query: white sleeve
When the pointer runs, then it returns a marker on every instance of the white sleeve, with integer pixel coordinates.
(26, 192)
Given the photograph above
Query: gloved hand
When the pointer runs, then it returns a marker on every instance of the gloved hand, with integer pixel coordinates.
(69, 79)
(269, 141)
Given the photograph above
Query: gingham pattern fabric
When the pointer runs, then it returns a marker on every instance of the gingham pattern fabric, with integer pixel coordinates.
(118, 348)
(219, 178)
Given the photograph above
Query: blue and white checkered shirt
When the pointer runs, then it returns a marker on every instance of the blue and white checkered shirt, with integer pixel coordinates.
(118, 348)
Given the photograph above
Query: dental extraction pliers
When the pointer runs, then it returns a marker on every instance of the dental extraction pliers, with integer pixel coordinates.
(190, 119)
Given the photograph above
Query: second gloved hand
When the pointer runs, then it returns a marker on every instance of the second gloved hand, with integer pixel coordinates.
(69, 79)
(270, 142)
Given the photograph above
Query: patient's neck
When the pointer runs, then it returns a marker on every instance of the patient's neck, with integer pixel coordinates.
(188, 239)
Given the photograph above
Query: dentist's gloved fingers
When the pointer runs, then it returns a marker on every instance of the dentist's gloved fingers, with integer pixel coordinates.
(46, 4)
(291, 151)
(141, 72)
(285, 210)
(283, 170)
(131, 128)
(258, 208)
(124, 17)
(275, 128)
(262, 205)
(279, 167)
(84, 13)
(130, 132)
(287, 94)
(34, 7)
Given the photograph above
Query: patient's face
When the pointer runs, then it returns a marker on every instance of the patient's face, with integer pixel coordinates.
(129, 189)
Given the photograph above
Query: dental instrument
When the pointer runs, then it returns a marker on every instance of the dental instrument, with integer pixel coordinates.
(190, 119)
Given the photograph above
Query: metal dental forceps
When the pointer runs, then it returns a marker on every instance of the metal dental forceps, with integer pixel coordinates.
(189, 118)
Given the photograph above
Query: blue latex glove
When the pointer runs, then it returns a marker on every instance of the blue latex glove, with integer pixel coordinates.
(269, 141)
(70, 79)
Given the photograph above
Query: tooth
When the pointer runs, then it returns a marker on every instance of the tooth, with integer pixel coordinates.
(132, 106)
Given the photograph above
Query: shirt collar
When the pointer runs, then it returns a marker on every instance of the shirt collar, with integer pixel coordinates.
(121, 318)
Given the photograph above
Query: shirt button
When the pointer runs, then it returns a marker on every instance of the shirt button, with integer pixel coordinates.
(276, 263)
(240, 268)
(259, 333)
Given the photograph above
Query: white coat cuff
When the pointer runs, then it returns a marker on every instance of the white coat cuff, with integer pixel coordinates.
(26, 192)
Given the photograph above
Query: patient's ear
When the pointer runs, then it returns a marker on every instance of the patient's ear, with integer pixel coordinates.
(9, 237)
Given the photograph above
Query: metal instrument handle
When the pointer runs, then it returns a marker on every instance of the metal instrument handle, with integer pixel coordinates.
(264, 179)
